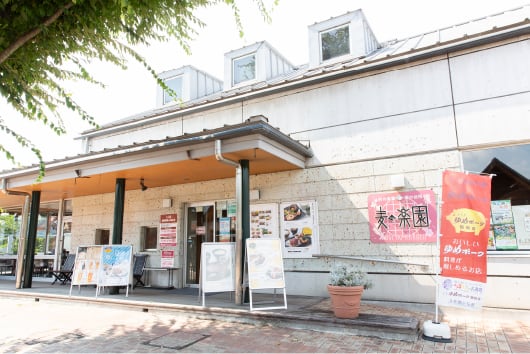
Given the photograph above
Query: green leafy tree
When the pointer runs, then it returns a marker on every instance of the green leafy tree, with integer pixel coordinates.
(46, 43)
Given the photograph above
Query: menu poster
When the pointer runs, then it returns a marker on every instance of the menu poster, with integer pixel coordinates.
(265, 264)
(264, 220)
(299, 227)
(168, 230)
(217, 266)
(86, 265)
(116, 264)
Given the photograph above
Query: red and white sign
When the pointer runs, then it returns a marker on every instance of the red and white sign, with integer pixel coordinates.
(465, 224)
(167, 259)
(168, 230)
(402, 217)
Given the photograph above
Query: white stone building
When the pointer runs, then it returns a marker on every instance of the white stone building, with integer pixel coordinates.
(361, 118)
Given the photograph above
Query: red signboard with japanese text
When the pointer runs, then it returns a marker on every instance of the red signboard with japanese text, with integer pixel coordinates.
(464, 227)
(168, 230)
(402, 217)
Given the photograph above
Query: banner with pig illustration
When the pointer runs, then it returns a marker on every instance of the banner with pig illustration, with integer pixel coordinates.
(465, 223)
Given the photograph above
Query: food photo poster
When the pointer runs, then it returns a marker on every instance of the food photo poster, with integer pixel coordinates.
(299, 229)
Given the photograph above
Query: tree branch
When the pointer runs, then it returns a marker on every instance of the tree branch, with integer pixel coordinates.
(6, 53)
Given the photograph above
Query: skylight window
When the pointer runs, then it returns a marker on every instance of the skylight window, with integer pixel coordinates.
(175, 84)
(335, 42)
(244, 69)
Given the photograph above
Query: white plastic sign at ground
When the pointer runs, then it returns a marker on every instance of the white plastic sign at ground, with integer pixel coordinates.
(86, 267)
(265, 267)
(217, 267)
(116, 266)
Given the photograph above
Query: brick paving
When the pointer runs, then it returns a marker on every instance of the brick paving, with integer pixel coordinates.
(29, 326)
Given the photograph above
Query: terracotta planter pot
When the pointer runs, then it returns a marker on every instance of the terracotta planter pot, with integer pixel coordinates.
(346, 300)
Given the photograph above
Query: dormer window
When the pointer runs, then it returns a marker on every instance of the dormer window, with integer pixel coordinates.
(335, 42)
(244, 69)
(340, 38)
(175, 84)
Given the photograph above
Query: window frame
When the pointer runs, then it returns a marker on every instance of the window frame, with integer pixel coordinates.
(327, 31)
(166, 98)
(239, 59)
(144, 233)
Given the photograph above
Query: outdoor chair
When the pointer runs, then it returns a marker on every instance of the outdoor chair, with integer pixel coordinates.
(64, 274)
(138, 269)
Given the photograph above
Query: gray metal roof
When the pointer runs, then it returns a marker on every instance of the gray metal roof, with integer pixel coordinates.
(490, 28)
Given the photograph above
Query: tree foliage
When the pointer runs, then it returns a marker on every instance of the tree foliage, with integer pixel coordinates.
(46, 43)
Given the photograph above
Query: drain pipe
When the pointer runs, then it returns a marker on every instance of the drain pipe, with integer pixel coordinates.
(239, 227)
(23, 231)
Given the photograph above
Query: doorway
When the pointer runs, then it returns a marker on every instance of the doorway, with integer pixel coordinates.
(200, 227)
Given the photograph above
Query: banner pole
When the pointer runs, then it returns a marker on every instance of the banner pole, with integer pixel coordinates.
(434, 330)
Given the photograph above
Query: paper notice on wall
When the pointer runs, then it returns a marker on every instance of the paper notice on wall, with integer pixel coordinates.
(167, 259)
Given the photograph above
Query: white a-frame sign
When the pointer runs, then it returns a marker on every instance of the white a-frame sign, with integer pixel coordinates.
(265, 268)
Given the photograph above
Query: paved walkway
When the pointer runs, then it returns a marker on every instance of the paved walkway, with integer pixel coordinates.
(167, 321)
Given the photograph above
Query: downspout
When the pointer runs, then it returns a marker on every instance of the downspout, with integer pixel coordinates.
(239, 234)
(23, 231)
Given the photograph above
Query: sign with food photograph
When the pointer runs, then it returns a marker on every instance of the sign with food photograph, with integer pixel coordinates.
(116, 265)
(299, 229)
(265, 264)
(86, 265)
(264, 220)
(217, 266)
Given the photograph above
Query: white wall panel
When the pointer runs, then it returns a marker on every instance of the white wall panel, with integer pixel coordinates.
(396, 92)
(493, 72)
(405, 134)
(497, 120)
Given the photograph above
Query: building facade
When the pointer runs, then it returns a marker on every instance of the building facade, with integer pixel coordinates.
(361, 119)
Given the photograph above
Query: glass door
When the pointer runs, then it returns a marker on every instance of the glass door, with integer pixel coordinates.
(200, 227)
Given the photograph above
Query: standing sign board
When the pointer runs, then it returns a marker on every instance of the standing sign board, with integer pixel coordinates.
(86, 267)
(265, 267)
(464, 229)
(115, 269)
(217, 267)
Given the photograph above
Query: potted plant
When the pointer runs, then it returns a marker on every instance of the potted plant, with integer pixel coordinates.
(346, 287)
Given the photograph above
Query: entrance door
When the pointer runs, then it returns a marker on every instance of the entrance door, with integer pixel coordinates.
(200, 227)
